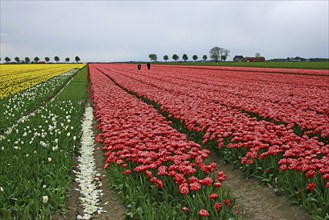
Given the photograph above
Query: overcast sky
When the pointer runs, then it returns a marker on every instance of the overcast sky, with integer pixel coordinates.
(131, 30)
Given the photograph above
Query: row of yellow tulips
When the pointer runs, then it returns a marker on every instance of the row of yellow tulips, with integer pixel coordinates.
(16, 78)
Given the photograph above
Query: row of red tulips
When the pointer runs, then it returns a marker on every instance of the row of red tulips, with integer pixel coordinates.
(263, 70)
(302, 100)
(138, 138)
(260, 144)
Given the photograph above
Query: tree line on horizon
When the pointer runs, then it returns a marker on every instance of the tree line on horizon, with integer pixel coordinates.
(37, 59)
(216, 54)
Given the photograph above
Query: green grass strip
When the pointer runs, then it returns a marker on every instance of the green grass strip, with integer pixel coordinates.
(36, 160)
(290, 65)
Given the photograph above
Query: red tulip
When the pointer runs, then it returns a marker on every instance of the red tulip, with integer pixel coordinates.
(218, 206)
(227, 202)
(311, 186)
(195, 186)
(213, 196)
(204, 213)
(127, 172)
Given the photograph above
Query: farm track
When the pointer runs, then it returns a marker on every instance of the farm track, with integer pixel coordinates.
(257, 201)
(109, 201)
(31, 112)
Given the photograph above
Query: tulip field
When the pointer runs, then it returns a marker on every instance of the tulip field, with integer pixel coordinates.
(140, 141)
(271, 124)
(157, 129)
(40, 127)
(18, 78)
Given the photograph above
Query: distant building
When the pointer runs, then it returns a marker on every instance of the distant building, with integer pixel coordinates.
(297, 59)
(255, 59)
(278, 60)
(239, 58)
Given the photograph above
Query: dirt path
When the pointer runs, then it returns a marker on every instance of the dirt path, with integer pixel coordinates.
(109, 201)
(112, 205)
(259, 202)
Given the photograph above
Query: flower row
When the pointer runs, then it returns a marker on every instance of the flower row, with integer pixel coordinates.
(35, 159)
(260, 145)
(295, 100)
(200, 113)
(19, 104)
(16, 78)
(137, 138)
(264, 70)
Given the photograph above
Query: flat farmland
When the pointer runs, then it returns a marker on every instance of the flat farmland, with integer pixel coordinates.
(40, 128)
(161, 141)
(324, 65)
(270, 123)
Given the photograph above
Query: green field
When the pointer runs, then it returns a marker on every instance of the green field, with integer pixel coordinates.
(295, 65)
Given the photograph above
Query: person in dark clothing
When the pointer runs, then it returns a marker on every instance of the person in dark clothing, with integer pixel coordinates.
(148, 66)
(139, 66)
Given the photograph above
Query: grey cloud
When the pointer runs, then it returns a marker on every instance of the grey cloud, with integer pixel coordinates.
(130, 30)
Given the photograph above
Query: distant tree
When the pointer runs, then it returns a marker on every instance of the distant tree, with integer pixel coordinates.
(204, 57)
(165, 57)
(47, 59)
(27, 60)
(7, 59)
(77, 59)
(224, 54)
(67, 59)
(218, 53)
(153, 57)
(195, 57)
(56, 58)
(175, 57)
(185, 57)
(36, 59)
(257, 55)
(17, 59)
(215, 53)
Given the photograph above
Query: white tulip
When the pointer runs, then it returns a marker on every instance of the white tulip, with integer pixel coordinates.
(44, 199)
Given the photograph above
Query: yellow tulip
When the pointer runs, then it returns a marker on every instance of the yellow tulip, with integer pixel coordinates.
(16, 78)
